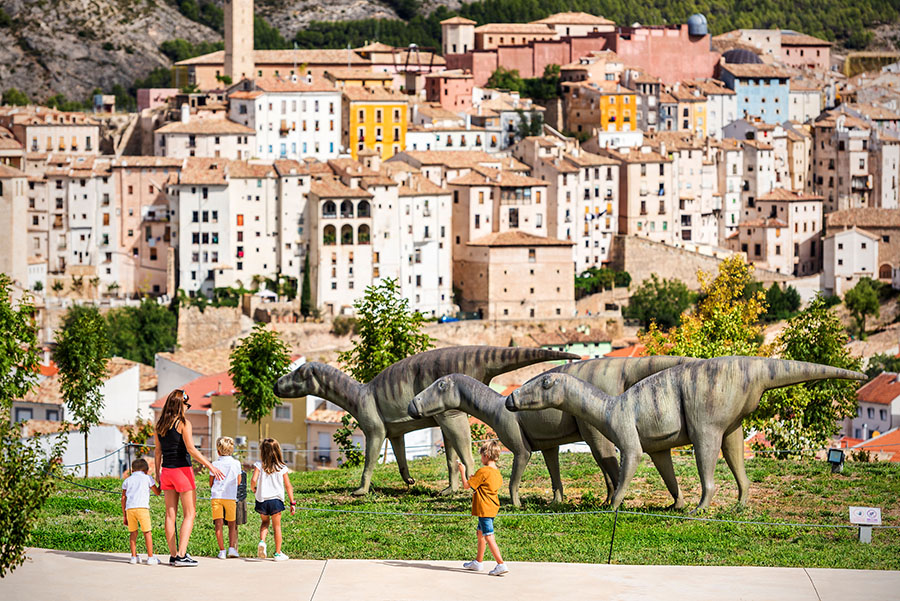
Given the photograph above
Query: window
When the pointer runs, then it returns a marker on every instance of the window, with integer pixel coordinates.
(870, 412)
(23, 414)
(283, 413)
(532, 255)
(240, 219)
(53, 415)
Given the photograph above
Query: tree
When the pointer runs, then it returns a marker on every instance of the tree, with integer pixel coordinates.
(506, 79)
(19, 348)
(388, 332)
(38, 286)
(862, 301)
(659, 301)
(530, 124)
(256, 364)
(57, 286)
(138, 333)
(306, 290)
(881, 363)
(15, 97)
(805, 416)
(724, 323)
(82, 347)
(783, 304)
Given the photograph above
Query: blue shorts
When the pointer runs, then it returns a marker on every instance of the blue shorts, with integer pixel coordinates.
(486, 526)
(270, 507)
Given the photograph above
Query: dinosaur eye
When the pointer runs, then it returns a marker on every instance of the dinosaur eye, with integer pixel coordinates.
(442, 385)
(546, 383)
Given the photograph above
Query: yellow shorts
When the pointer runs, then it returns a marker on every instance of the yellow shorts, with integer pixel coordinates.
(138, 516)
(224, 508)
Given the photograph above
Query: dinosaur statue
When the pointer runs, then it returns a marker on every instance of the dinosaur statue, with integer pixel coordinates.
(543, 430)
(380, 406)
(700, 403)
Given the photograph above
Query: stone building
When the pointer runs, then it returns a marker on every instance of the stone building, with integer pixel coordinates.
(884, 223)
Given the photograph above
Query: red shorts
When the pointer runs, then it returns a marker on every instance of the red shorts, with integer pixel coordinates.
(179, 479)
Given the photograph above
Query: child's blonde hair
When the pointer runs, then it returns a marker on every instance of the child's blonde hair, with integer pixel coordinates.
(490, 450)
(270, 455)
(225, 445)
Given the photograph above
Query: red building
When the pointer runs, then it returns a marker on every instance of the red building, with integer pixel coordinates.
(452, 89)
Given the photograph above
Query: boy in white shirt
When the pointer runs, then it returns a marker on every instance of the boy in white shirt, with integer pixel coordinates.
(136, 508)
(224, 496)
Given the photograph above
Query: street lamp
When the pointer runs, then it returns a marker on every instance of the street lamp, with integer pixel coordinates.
(836, 459)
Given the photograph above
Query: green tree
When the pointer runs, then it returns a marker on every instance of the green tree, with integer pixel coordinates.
(57, 286)
(862, 301)
(15, 97)
(659, 301)
(256, 364)
(882, 362)
(805, 416)
(530, 124)
(19, 348)
(783, 304)
(506, 79)
(138, 333)
(82, 347)
(266, 37)
(306, 290)
(388, 331)
(343, 437)
(725, 321)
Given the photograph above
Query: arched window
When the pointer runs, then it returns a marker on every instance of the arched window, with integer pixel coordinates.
(362, 237)
(884, 272)
(329, 235)
(347, 234)
(329, 210)
(347, 209)
(362, 209)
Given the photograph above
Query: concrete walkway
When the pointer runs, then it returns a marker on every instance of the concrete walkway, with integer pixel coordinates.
(62, 575)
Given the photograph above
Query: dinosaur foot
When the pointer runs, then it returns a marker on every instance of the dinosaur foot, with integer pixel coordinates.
(409, 481)
(361, 491)
(448, 491)
(678, 504)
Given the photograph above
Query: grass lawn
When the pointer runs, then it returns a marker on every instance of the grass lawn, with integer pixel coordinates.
(800, 492)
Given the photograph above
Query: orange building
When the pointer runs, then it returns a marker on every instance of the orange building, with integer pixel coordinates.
(605, 105)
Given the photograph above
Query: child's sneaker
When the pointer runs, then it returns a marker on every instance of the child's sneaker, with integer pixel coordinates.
(152, 561)
(232, 552)
(134, 559)
(473, 565)
(221, 554)
(280, 557)
(499, 570)
(261, 549)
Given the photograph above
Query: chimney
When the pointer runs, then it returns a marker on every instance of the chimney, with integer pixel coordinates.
(185, 113)
(662, 149)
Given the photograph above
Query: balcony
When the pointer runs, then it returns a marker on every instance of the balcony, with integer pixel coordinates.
(322, 454)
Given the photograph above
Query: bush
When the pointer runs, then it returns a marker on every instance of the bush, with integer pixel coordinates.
(343, 325)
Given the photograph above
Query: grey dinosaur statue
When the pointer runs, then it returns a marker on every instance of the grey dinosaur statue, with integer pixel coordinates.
(545, 430)
(700, 403)
(380, 406)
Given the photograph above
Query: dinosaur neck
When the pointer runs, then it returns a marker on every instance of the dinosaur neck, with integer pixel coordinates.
(583, 400)
(339, 388)
(479, 400)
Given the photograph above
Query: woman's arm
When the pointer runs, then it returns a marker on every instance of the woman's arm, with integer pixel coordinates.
(290, 491)
(255, 479)
(124, 513)
(188, 437)
(157, 455)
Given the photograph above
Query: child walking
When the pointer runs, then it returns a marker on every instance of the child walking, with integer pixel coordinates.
(136, 508)
(485, 505)
(270, 479)
(224, 496)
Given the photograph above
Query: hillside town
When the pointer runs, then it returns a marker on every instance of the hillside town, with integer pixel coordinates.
(660, 150)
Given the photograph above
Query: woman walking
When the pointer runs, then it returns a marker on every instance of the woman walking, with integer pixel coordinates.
(174, 449)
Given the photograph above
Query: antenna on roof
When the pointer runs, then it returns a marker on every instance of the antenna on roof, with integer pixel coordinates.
(348, 54)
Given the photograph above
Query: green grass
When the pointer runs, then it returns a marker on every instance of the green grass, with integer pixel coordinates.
(782, 491)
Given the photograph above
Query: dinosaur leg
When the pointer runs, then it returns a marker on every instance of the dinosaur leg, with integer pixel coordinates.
(551, 458)
(706, 450)
(663, 462)
(733, 450)
(520, 460)
(374, 439)
(631, 456)
(398, 443)
(604, 453)
(458, 444)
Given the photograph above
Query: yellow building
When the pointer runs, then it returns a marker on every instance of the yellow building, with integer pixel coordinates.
(286, 424)
(690, 110)
(605, 105)
(374, 118)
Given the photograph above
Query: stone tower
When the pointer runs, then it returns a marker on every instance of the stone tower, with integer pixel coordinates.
(239, 39)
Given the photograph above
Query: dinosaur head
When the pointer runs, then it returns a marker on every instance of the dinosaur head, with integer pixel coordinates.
(441, 396)
(299, 383)
(542, 392)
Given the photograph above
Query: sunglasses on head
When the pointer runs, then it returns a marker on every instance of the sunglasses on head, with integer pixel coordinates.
(185, 398)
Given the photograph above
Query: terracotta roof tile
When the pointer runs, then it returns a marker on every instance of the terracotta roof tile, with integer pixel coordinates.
(315, 57)
(333, 188)
(418, 185)
(38, 427)
(517, 238)
(766, 222)
(801, 39)
(204, 361)
(574, 18)
(881, 390)
(518, 28)
(49, 391)
(458, 21)
(376, 94)
(874, 218)
(351, 74)
(200, 390)
(199, 170)
(321, 415)
(780, 194)
(635, 350)
(888, 443)
(755, 71)
(281, 84)
(205, 127)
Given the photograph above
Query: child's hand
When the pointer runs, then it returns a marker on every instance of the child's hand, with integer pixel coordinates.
(125, 520)
(293, 509)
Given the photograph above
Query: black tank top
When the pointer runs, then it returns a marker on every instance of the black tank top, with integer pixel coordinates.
(173, 450)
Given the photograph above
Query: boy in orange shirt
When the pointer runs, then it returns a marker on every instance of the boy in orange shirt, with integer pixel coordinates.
(485, 504)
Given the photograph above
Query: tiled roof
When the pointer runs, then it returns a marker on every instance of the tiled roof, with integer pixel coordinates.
(7, 172)
(882, 390)
(458, 21)
(135, 162)
(286, 167)
(830, 120)
(321, 415)
(635, 350)
(205, 127)
(333, 188)
(451, 74)
(492, 177)
(350, 167)
(201, 170)
(246, 170)
(889, 443)
(636, 155)
(363, 74)
(600, 86)
(558, 165)
(520, 28)
(517, 238)
(148, 377)
(710, 87)
(49, 391)
(758, 144)
(200, 390)
(204, 361)
(801, 39)
(765, 222)
(780, 194)
(37, 427)
(875, 113)
(376, 94)
(286, 57)
(574, 18)
(806, 85)
(750, 70)
(873, 218)
(856, 230)
(243, 95)
(454, 159)
(41, 115)
(589, 159)
(280, 84)
(418, 185)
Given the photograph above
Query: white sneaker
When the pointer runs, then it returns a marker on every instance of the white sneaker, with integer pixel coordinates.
(134, 559)
(499, 570)
(280, 557)
(221, 554)
(261, 549)
(152, 561)
(473, 565)
(232, 552)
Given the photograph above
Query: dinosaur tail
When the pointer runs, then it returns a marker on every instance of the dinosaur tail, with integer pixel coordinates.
(500, 359)
(777, 373)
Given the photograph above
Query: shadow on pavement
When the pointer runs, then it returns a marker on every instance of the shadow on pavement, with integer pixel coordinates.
(425, 566)
(101, 557)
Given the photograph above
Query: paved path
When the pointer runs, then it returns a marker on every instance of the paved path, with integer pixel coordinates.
(63, 575)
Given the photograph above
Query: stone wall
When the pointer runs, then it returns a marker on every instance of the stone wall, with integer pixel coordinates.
(214, 326)
(502, 332)
(641, 258)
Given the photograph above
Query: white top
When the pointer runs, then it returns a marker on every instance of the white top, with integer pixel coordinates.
(137, 490)
(226, 488)
(270, 486)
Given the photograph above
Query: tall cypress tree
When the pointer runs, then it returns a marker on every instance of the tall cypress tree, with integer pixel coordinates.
(306, 292)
